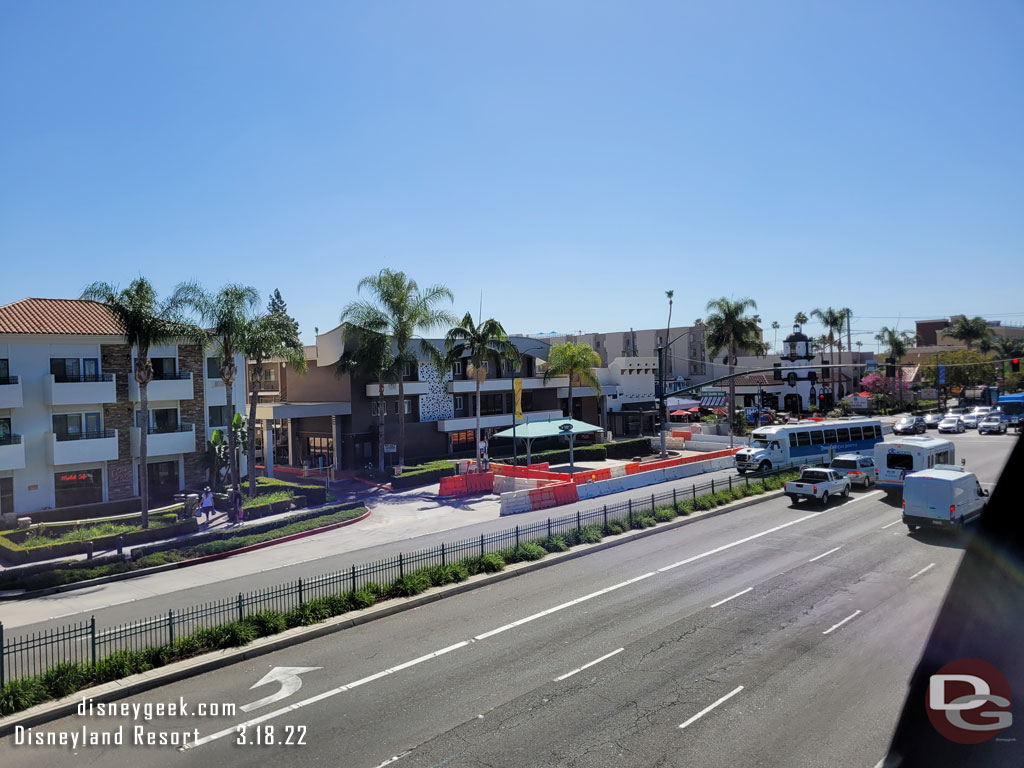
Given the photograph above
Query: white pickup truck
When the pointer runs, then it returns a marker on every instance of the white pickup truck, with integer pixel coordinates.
(818, 484)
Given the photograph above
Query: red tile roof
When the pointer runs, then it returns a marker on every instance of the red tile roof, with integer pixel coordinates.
(58, 316)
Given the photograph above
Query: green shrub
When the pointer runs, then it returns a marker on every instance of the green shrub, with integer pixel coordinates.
(644, 521)
(686, 507)
(489, 563)
(267, 623)
(266, 499)
(364, 597)
(664, 514)
(627, 449)
(703, 503)
(530, 551)
(409, 585)
(426, 475)
(615, 527)
(555, 543)
(21, 694)
(120, 664)
(337, 604)
(66, 678)
(452, 573)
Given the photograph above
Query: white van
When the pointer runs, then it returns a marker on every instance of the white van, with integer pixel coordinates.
(946, 497)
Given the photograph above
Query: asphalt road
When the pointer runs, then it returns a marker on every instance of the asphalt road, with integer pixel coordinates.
(777, 635)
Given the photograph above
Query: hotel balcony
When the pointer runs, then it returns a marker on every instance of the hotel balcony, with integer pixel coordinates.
(164, 442)
(466, 386)
(391, 390)
(495, 420)
(176, 387)
(80, 390)
(12, 453)
(10, 392)
(82, 448)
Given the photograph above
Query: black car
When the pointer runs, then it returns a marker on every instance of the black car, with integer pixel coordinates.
(910, 425)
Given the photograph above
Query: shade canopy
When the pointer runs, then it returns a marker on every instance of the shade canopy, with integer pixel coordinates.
(531, 430)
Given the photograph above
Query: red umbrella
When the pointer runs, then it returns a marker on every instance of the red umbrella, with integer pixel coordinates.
(695, 409)
(720, 411)
(678, 413)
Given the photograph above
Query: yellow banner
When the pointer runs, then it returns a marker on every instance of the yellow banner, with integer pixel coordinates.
(517, 388)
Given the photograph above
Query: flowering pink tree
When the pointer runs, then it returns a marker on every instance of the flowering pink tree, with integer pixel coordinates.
(873, 383)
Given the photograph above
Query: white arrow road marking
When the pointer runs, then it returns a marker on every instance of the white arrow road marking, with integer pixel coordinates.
(290, 682)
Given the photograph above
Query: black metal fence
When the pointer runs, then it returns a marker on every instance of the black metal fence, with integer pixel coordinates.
(37, 652)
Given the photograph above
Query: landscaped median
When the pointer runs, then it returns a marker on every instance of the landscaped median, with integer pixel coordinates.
(192, 549)
(315, 600)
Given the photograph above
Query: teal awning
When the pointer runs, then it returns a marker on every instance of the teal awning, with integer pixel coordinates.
(531, 430)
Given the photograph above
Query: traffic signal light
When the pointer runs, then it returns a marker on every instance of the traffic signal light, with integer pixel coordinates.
(1015, 365)
(890, 368)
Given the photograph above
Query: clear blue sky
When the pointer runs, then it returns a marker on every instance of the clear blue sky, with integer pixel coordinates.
(571, 159)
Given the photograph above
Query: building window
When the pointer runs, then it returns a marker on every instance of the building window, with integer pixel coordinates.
(408, 406)
(83, 486)
(163, 367)
(212, 368)
(77, 426)
(6, 495)
(320, 451)
(5, 370)
(463, 439)
(457, 368)
(218, 416)
(407, 370)
(65, 369)
(161, 420)
(375, 408)
(458, 403)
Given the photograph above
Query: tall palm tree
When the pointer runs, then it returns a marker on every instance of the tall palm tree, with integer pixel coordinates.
(146, 322)
(775, 327)
(897, 343)
(970, 330)
(400, 310)
(228, 314)
(834, 321)
(479, 343)
(265, 337)
(729, 328)
(800, 319)
(576, 361)
(369, 354)
(1006, 347)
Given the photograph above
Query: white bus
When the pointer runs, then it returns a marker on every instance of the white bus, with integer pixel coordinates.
(811, 442)
(894, 460)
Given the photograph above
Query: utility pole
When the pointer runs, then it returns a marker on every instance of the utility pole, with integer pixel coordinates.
(849, 342)
(662, 401)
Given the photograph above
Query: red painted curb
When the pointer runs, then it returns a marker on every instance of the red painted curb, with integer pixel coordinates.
(264, 544)
(371, 483)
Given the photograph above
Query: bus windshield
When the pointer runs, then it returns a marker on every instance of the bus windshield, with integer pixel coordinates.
(759, 444)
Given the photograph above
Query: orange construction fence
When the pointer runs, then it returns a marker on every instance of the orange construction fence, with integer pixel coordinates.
(460, 485)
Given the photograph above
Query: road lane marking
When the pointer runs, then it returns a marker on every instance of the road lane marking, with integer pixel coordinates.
(707, 709)
(722, 602)
(320, 697)
(393, 759)
(923, 570)
(837, 626)
(890, 525)
(823, 554)
(563, 606)
(585, 666)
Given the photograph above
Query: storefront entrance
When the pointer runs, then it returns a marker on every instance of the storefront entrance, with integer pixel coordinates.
(81, 486)
(163, 481)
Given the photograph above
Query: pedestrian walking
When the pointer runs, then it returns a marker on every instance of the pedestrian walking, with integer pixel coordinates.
(236, 502)
(206, 504)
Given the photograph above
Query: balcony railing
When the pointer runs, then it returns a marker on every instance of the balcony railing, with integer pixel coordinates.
(97, 435)
(6, 380)
(10, 439)
(85, 378)
(179, 376)
(12, 452)
(165, 441)
(267, 386)
(10, 392)
(175, 386)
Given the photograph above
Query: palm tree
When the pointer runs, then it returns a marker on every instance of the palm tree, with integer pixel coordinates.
(834, 321)
(399, 309)
(800, 319)
(228, 313)
(265, 337)
(775, 327)
(370, 354)
(730, 329)
(897, 343)
(479, 343)
(970, 330)
(576, 361)
(1005, 347)
(146, 323)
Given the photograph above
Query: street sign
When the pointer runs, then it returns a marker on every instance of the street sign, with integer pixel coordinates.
(390, 448)
(942, 374)
(565, 427)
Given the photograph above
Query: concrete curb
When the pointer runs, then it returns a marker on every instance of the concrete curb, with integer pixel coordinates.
(181, 564)
(180, 670)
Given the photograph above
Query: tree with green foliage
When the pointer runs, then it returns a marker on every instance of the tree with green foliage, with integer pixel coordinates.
(478, 344)
(964, 368)
(399, 309)
(970, 330)
(897, 343)
(370, 355)
(729, 328)
(834, 321)
(146, 322)
(800, 319)
(577, 361)
(227, 313)
(266, 337)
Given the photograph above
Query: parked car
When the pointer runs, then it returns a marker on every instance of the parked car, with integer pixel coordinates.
(931, 420)
(956, 411)
(859, 470)
(951, 424)
(993, 424)
(970, 420)
(910, 425)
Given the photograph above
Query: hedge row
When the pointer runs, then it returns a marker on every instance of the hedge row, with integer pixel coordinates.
(430, 473)
(314, 494)
(197, 546)
(66, 679)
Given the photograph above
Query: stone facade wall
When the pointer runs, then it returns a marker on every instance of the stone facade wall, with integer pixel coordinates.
(192, 360)
(116, 359)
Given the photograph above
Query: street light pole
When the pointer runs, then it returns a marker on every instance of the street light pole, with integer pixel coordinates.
(663, 402)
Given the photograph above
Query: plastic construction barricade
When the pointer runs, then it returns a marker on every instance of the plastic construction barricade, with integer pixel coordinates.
(454, 485)
(542, 498)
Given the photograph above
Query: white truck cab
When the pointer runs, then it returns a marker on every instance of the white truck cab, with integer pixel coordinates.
(765, 452)
(945, 496)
